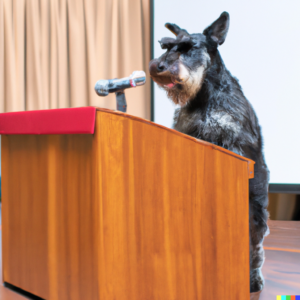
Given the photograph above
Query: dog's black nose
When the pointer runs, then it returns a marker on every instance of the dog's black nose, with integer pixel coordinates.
(161, 67)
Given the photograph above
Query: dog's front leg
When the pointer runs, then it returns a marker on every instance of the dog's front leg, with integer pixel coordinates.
(258, 216)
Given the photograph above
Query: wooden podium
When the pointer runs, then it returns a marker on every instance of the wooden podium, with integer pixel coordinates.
(133, 211)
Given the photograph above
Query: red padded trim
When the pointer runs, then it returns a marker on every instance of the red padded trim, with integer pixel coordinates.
(52, 121)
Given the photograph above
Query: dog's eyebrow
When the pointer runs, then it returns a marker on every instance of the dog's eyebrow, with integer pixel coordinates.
(167, 43)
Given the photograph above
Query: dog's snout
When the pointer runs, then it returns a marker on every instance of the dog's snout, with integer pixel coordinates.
(161, 67)
(156, 67)
(153, 66)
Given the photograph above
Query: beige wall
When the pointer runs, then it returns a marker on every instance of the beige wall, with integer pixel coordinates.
(53, 51)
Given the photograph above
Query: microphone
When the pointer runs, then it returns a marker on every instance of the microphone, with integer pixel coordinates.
(104, 87)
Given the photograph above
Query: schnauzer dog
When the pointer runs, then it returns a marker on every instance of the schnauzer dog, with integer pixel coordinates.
(213, 108)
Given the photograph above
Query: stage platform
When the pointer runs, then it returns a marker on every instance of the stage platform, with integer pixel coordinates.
(282, 265)
(281, 268)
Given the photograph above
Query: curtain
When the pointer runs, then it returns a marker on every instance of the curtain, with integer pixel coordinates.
(52, 52)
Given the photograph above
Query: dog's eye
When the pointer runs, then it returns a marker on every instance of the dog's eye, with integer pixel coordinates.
(184, 47)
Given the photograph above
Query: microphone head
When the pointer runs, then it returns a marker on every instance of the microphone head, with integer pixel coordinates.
(104, 87)
(137, 78)
(101, 88)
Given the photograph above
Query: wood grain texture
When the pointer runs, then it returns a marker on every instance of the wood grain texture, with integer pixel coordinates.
(6, 293)
(278, 262)
(132, 212)
(204, 143)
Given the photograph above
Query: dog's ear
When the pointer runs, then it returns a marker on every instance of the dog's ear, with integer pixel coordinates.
(217, 31)
(176, 30)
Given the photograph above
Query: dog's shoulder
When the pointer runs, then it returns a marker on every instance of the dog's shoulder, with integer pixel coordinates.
(229, 122)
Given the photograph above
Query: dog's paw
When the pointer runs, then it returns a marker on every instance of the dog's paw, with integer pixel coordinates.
(256, 281)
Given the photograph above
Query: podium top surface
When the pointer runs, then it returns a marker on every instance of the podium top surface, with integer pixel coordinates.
(79, 120)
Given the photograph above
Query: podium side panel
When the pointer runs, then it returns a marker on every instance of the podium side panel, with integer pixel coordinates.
(174, 216)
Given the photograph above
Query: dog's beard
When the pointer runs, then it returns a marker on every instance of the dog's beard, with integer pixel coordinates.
(179, 96)
(187, 90)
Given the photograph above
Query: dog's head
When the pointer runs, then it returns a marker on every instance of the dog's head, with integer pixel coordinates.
(182, 68)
